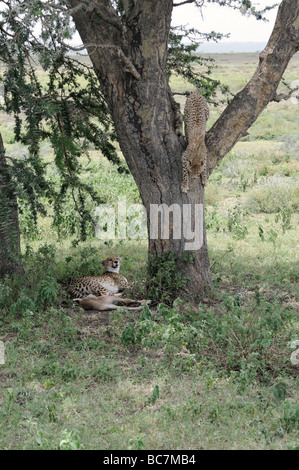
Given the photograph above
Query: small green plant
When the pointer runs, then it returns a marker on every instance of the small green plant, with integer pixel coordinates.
(128, 335)
(235, 223)
(46, 291)
(155, 395)
(244, 182)
(5, 292)
(261, 233)
(136, 443)
(272, 236)
(276, 160)
(213, 220)
(264, 171)
(70, 441)
(52, 410)
(280, 391)
(42, 441)
(290, 418)
(284, 215)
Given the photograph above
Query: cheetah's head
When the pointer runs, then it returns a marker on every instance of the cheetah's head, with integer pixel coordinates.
(197, 167)
(111, 264)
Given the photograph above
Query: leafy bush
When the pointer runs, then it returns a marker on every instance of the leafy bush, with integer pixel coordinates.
(5, 291)
(23, 295)
(85, 260)
(22, 305)
(165, 279)
(273, 193)
(291, 146)
(290, 418)
(230, 165)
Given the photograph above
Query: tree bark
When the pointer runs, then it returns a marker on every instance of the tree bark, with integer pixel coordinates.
(10, 247)
(130, 61)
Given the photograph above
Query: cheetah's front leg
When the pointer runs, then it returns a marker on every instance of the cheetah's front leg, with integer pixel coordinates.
(185, 179)
(204, 175)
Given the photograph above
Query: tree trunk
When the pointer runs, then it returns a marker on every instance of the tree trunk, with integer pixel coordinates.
(10, 247)
(144, 114)
(129, 58)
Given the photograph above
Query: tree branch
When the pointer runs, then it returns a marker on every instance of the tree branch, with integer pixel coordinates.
(247, 105)
(104, 10)
(198, 3)
(285, 96)
(129, 67)
(100, 36)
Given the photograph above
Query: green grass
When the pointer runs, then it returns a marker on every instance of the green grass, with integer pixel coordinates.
(215, 376)
(80, 376)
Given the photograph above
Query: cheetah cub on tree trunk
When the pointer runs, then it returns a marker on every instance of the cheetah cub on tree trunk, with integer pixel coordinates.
(194, 160)
(109, 283)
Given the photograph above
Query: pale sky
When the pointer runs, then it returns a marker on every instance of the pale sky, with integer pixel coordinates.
(227, 20)
(212, 17)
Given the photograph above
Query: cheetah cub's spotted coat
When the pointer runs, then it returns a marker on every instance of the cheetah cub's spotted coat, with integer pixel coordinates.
(194, 160)
(109, 283)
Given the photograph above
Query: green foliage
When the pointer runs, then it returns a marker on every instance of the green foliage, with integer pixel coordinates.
(236, 348)
(23, 305)
(165, 279)
(235, 223)
(128, 335)
(25, 296)
(136, 443)
(284, 215)
(186, 63)
(64, 107)
(241, 340)
(70, 441)
(274, 194)
(280, 391)
(290, 418)
(224, 366)
(47, 291)
(213, 220)
(261, 233)
(155, 395)
(5, 292)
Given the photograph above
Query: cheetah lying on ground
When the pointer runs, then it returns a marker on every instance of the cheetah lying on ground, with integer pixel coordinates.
(110, 282)
(103, 292)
